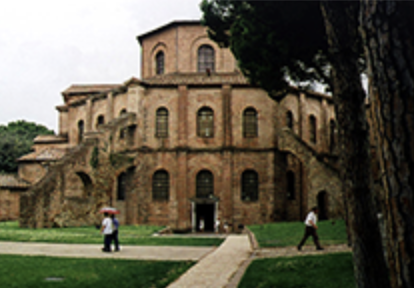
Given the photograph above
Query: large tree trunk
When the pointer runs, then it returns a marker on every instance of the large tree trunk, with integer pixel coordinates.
(387, 31)
(341, 21)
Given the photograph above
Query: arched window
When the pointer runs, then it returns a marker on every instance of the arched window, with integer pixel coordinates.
(161, 185)
(250, 186)
(161, 123)
(159, 63)
(205, 59)
(100, 120)
(121, 188)
(312, 129)
(289, 119)
(81, 130)
(205, 184)
(122, 112)
(205, 122)
(332, 135)
(122, 131)
(290, 181)
(250, 123)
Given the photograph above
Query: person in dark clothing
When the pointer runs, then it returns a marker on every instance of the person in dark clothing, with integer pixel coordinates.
(115, 225)
(310, 229)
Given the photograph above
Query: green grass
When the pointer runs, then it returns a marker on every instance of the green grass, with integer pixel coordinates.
(26, 271)
(327, 271)
(128, 235)
(290, 233)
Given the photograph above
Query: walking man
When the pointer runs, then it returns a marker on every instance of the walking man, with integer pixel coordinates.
(310, 229)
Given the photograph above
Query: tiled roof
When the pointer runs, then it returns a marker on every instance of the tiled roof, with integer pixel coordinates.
(196, 79)
(49, 139)
(89, 88)
(12, 181)
(166, 26)
(49, 154)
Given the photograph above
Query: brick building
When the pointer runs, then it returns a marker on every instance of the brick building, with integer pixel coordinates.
(190, 140)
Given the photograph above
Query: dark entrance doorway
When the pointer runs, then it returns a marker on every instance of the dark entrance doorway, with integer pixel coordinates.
(206, 212)
(322, 205)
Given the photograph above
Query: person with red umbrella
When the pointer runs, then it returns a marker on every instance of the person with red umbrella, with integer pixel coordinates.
(107, 227)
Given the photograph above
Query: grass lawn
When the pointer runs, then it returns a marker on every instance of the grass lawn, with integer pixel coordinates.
(327, 271)
(290, 233)
(26, 271)
(128, 235)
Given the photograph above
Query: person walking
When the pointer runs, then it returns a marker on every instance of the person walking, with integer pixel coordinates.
(310, 229)
(106, 230)
(115, 224)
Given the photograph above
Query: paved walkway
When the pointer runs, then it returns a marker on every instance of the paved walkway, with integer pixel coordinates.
(217, 268)
(173, 253)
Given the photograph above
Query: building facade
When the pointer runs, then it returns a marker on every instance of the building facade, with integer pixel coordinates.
(190, 140)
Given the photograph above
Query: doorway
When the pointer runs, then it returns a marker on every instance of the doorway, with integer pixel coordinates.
(322, 205)
(205, 212)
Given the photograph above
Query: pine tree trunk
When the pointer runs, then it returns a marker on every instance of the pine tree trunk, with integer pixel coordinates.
(387, 31)
(341, 22)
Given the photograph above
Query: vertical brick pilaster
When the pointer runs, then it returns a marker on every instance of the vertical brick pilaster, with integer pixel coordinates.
(302, 116)
(226, 204)
(88, 120)
(227, 127)
(324, 128)
(182, 115)
(182, 193)
(110, 107)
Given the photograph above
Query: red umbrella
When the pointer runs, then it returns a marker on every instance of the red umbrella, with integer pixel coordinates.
(109, 210)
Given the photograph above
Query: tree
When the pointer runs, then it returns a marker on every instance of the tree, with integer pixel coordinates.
(330, 42)
(387, 31)
(16, 140)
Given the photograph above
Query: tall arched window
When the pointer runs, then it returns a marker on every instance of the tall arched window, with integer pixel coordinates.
(121, 187)
(205, 122)
(81, 130)
(332, 135)
(290, 181)
(205, 58)
(250, 123)
(289, 119)
(250, 186)
(161, 123)
(205, 184)
(312, 129)
(159, 63)
(100, 120)
(161, 185)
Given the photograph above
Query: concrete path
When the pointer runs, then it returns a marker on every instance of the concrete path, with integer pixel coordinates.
(173, 253)
(217, 268)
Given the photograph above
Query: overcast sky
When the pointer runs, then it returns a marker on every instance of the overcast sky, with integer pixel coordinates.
(47, 45)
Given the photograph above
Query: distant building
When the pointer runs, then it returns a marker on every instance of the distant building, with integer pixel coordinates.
(192, 139)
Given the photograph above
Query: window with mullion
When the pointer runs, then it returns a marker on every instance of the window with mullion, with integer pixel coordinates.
(206, 58)
(160, 185)
(250, 186)
(161, 125)
(205, 184)
(205, 123)
(250, 123)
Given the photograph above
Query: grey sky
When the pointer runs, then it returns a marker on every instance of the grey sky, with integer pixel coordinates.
(47, 45)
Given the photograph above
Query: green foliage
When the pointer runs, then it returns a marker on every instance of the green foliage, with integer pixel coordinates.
(290, 233)
(328, 271)
(29, 271)
(94, 158)
(273, 41)
(16, 140)
(129, 235)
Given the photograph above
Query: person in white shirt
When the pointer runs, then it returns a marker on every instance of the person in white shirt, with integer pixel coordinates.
(106, 230)
(310, 229)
